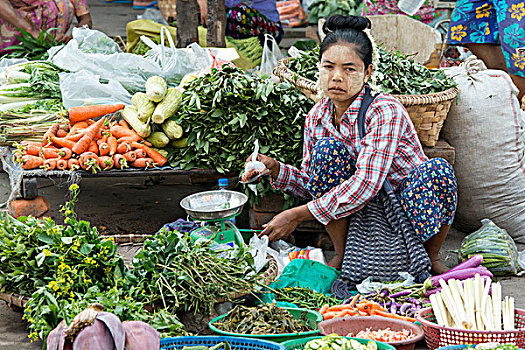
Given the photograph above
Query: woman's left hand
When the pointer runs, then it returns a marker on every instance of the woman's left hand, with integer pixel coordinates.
(285, 223)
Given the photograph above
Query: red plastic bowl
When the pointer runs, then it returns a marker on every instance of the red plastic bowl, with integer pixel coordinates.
(345, 325)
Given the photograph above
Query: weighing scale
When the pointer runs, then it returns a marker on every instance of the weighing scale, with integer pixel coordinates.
(215, 208)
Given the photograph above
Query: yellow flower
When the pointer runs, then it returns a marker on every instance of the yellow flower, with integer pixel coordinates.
(483, 11)
(487, 30)
(54, 285)
(68, 212)
(458, 32)
(46, 252)
(73, 187)
(517, 11)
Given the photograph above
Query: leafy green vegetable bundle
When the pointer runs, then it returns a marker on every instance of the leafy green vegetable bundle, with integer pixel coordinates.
(396, 73)
(325, 8)
(224, 112)
(182, 275)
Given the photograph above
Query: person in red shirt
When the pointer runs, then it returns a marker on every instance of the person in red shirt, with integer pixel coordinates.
(341, 172)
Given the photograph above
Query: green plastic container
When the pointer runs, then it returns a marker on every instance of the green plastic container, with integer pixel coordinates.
(313, 320)
(298, 344)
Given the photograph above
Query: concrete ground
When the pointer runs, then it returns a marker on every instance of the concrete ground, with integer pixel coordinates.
(142, 205)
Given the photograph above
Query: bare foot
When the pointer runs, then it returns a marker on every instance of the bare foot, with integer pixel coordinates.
(438, 267)
(336, 262)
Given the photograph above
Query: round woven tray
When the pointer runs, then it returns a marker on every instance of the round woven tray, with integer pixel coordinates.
(427, 112)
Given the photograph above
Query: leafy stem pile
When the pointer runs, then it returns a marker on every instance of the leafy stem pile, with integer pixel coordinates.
(325, 8)
(396, 73)
(33, 48)
(304, 297)
(224, 112)
(182, 275)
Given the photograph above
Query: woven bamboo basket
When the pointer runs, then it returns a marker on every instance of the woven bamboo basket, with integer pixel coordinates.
(168, 9)
(428, 112)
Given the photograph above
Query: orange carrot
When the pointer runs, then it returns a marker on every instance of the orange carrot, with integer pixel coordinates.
(32, 150)
(140, 153)
(61, 133)
(62, 142)
(78, 114)
(342, 307)
(93, 147)
(90, 122)
(354, 300)
(119, 131)
(61, 164)
(51, 132)
(77, 127)
(103, 139)
(89, 161)
(120, 161)
(143, 163)
(158, 158)
(130, 156)
(129, 139)
(329, 315)
(103, 149)
(75, 137)
(83, 144)
(124, 124)
(49, 164)
(65, 153)
(323, 309)
(26, 143)
(124, 147)
(113, 144)
(105, 162)
(49, 153)
(73, 164)
(31, 162)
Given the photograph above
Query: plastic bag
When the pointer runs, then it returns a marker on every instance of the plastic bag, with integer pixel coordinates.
(284, 253)
(307, 273)
(85, 88)
(258, 247)
(153, 15)
(369, 286)
(270, 57)
(292, 13)
(176, 63)
(130, 70)
(500, 254)
(93, 41)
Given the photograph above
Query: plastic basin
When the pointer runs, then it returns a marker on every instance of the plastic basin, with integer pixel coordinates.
(313, 321)
(298, 344)
(177, 343)
(346, 325)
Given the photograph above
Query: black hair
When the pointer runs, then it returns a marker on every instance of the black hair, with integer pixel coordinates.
(348, 29)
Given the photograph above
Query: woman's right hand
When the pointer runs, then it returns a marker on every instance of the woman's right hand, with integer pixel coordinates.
(270, 164)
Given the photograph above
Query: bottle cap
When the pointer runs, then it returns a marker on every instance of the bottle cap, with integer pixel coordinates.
(223, 182)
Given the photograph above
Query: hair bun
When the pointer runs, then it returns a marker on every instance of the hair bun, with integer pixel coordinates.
(340, 22)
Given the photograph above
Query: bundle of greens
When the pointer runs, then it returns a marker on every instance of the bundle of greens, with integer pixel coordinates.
(181, 275)
(66, 267)
(31, 121)
(25, 83)
(305, 298)
(395, 74)
(326, 8)
(224, 112)
(33, 48)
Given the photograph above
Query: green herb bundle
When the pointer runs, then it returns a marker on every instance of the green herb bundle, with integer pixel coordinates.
(325, 8)
(304, 297)
(181, 275)
(264, 319)
(396, 73)
(33, 48)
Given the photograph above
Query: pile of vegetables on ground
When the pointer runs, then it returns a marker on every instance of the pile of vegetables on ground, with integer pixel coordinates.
(65, 268)
(264, 319)
(395, 74)
(305, 298)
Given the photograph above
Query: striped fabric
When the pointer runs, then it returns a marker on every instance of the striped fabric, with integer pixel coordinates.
(390, 150)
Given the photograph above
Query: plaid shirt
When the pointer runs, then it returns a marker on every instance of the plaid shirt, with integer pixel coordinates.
(390, 148)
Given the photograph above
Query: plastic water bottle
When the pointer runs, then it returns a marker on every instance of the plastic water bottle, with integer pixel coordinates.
(223, 185)
(410, 7)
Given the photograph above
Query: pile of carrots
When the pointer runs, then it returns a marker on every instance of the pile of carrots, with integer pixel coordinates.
(88, 144)
(357, 307)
